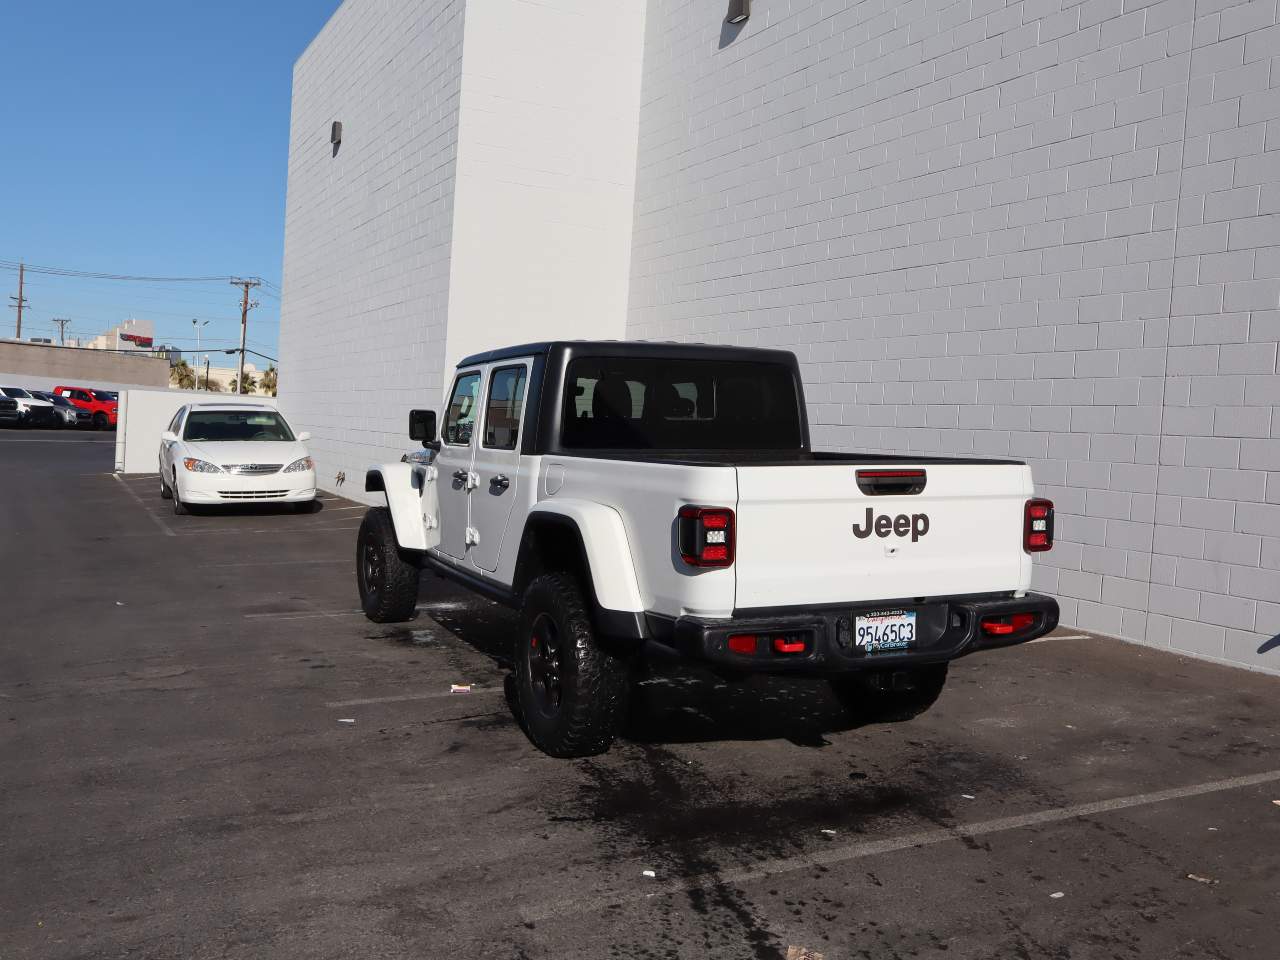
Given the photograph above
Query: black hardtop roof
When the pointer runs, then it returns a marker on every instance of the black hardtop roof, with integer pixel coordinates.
(632, 348)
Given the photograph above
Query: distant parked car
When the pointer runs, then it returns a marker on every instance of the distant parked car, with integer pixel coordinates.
(32, 411)
(216, 453)
(102, 405)
(9, 415)
(72, 416)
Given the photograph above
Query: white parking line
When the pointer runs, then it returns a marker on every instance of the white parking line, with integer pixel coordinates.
(302, 615)
(276, 563)
(871, 848)
(408, 697)
(164, 527)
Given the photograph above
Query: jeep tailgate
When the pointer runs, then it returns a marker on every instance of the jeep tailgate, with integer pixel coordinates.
(798, 532)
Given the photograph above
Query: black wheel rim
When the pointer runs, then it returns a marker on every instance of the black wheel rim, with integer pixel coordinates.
(372, 567)
(544, 665)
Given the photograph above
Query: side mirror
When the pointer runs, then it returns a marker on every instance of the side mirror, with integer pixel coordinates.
(422, 426)
(304, 436)
(168, 436)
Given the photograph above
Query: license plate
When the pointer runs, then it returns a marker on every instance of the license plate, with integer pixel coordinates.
(885, 632)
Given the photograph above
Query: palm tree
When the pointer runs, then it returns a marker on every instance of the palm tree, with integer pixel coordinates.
(250, 384)
(182, 376)
(269, 381)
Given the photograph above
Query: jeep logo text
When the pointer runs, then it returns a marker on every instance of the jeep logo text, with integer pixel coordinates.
(917, 525)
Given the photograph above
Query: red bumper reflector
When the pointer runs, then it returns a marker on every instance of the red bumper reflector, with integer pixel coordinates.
(788, 645)
(1004, 626)
(743, 643)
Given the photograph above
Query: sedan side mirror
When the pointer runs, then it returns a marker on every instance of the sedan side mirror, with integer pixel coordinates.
(304, 436)
(422, 426)
(168, 436)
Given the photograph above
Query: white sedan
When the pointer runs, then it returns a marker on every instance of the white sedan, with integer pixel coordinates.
(219, 453)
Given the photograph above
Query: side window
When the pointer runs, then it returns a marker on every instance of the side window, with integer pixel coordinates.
(460, 419)
(81, 395)
(504, 408)
(173, 424)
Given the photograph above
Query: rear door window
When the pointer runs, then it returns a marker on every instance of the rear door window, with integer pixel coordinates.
(504, 408)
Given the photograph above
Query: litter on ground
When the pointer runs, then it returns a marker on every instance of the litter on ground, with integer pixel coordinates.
(460, 688)
(1057, 896)
(649, 873)
(1199, 879)
(347, 720)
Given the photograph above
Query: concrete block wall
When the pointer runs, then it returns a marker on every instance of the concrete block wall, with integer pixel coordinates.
(368, 230)
(1044, 229)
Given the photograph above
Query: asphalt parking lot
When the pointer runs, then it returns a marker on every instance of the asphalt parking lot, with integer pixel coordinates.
(180, 777)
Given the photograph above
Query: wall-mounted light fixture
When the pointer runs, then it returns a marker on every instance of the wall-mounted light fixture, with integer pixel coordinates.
(739, 11)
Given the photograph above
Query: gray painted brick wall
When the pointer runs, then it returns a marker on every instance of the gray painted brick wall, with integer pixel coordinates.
(368, 231)
(1043, 229)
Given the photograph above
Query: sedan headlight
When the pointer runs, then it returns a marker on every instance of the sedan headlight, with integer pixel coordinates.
(200, 466)
(298, 466)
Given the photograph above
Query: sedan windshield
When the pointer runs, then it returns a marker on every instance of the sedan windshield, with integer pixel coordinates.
(16, 392)
(236, 426)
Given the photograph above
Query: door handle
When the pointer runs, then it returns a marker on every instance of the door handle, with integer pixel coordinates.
(460, 476)
(501, 481)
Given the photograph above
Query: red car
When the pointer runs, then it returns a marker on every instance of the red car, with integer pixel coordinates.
(103, 405)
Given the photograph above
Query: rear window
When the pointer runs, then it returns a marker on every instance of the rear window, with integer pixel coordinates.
(235, 425)
(640, 403)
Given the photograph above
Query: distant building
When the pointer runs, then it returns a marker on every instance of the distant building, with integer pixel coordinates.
(130, 334)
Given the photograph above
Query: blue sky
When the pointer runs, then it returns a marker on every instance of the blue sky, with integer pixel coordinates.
(148, 138)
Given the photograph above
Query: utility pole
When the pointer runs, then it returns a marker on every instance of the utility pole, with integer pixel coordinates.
(19, 301)
(245, 307)
(62, 329)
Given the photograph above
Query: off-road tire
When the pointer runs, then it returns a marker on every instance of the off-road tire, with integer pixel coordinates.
(388, 584)
(592, 683)
(868, 697)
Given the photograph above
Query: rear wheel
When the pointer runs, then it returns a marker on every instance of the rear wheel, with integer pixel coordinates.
(572, 693)
(388, 585)
(890, 696)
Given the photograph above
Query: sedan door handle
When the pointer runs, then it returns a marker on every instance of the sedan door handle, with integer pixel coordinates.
(500, 481)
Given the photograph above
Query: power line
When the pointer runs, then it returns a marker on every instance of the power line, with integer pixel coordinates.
(96, 275)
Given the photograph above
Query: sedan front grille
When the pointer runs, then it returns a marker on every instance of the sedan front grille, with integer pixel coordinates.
(252, 494)
(252, 469)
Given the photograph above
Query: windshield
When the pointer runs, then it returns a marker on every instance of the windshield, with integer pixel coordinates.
(642, 403)
(16, 392)
(106, 396)
(236, 426)
(56, 400)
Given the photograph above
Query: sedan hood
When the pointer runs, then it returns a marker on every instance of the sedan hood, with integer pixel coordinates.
(256, 451)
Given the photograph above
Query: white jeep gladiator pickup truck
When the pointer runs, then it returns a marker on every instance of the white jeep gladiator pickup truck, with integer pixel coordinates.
(642, 499)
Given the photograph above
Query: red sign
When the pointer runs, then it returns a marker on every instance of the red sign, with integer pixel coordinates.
(137, 338)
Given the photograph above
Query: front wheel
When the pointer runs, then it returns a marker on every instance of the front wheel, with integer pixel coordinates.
(885, 696)
(388, 585)
(100, 421)
(572, 692)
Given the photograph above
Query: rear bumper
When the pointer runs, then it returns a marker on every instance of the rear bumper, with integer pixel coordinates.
(946, 628)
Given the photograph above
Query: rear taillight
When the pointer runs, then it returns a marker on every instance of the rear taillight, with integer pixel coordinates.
(1037, 526)
(706, 536)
